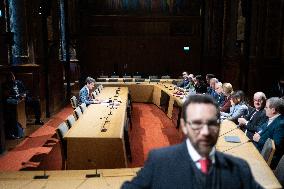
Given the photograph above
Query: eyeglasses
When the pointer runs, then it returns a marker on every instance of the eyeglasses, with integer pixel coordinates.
(198, 124)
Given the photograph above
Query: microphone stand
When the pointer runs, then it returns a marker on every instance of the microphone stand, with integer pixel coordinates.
(96, 174)
(230, 131)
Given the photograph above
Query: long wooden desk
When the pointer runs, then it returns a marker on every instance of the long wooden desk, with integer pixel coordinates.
(87, 146)
(246, 150)
(71, 179)
(114, 178)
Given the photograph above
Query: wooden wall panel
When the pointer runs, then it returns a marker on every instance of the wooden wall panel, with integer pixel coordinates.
(148, 45)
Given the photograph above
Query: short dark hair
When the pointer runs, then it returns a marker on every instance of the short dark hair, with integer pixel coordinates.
(209, 76)
(90, 80)
(201, 99)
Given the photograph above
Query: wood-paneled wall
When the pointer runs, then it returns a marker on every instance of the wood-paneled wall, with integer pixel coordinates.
(148, 45)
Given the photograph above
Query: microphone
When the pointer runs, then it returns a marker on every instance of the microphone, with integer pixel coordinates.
(103, 129)
(96, 174)
(238, 145)
(230, 131)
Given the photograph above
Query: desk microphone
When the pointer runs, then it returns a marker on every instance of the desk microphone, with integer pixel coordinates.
(238, 145)
(230, 131)
(96, 174)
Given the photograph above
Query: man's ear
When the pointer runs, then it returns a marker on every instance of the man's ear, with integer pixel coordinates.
(183, 126)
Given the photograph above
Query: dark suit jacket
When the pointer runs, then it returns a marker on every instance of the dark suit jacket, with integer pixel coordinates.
(257, 120)
(171, 167)
(274, 131)
(183, 84)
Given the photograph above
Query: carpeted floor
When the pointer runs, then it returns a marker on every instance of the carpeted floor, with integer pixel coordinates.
(41, 150)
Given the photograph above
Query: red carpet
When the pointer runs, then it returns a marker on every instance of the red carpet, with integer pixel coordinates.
(41, 150)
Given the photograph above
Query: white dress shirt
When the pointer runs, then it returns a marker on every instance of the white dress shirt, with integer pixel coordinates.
(195, 156)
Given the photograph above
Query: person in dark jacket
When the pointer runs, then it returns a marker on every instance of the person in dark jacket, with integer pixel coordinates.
(195, 163)
(256, 116)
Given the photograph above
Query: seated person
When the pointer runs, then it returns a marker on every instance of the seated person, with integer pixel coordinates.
(273, 128)
(190, 86)
(238, 108)
(15, 90)
(227, 92)
(84, 94)
(211, 88)
(208, 77)
(218, 95)
(199, 85)
(185, 80)
(256, 117)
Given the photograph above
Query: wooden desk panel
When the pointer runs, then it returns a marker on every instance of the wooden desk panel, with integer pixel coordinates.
(87, 146)
(110, 178)
(247, 151)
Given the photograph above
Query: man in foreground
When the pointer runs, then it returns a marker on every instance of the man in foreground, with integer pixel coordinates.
(195, 163)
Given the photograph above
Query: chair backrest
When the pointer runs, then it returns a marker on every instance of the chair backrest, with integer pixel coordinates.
(101, 87)
(139, 80)
(77, 113)
(154, 80)
(94, 94)
(166, 77)
(74, 102)
(153, 77)
(97, 91)
(103, 76)
(61, 132)
(128, 80)
(137, 76)
(70, 120)
(279, 171)
(114, 76)
(112, 80)
(101, 80)
(83, 107)
(268, 150)
(126, 76)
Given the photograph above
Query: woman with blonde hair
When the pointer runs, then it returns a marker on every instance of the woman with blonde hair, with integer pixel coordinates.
(227, 91)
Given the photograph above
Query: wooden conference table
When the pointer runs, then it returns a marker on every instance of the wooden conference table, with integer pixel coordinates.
(89, 127)
(87, 146)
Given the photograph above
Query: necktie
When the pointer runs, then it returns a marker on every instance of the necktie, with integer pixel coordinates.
(205, 163)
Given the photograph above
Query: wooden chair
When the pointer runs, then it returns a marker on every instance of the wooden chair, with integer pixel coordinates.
(61, 132)
(83, 107)
(279, 171)
(268, 150)
(74, 102)
(78, 113)
(70, 120)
